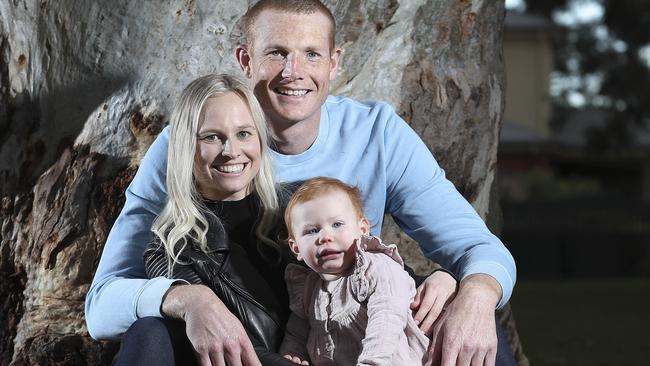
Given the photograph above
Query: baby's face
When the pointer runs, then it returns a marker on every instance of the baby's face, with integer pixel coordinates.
(324, 231)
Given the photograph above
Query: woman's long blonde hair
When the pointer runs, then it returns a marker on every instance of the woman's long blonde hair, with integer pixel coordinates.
(183, 219)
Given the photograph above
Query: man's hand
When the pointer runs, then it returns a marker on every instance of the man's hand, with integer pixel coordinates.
(217, 336)
(431, 297)
(465, 334)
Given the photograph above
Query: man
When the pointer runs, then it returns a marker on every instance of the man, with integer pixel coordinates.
(289, 56)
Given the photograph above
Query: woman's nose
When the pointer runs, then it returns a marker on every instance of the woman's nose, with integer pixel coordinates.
(230, 149)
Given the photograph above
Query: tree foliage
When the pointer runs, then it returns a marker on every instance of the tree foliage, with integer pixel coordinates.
(604, 63)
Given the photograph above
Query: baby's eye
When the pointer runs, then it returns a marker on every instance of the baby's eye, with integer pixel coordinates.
(337, 224)
(310, 231)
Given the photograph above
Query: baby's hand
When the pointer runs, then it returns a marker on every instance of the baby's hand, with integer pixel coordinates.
(295, 359)
(432, 298)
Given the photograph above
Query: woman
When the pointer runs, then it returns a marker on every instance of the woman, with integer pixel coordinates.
(216, 227)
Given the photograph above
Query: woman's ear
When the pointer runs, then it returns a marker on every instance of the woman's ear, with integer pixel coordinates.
(364, 225)
(295, 249)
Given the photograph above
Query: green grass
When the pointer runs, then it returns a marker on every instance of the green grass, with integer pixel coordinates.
(584, 322)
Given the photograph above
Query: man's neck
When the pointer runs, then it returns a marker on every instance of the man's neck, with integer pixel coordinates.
(294, 138)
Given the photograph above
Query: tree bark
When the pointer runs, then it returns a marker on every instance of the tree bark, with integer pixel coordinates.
(86, 86)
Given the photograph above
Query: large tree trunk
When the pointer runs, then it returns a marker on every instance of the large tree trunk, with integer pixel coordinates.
(85, 86)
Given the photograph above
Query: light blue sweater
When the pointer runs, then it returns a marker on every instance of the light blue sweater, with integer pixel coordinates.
(363, 144)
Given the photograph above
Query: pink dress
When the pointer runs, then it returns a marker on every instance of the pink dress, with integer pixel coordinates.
(359, 319)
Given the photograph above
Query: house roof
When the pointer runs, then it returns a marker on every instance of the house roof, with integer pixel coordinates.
(526, 22)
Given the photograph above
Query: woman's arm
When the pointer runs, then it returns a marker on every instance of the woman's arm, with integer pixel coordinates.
(156, 262)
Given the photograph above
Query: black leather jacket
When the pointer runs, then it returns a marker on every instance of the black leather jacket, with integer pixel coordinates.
(228, 271)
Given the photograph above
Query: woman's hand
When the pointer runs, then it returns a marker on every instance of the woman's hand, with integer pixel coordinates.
(295, 359)
(217, 336)
(431, 298)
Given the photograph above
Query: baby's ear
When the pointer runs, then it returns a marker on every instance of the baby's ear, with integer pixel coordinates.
(365, 226)
(294, 248)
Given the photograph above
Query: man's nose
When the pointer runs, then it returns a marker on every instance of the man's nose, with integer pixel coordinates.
(231, 149)
(293, 66)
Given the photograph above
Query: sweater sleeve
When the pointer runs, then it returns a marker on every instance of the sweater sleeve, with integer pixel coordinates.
(427, 206)
(120, 292)
(297, 329)
(389, 296)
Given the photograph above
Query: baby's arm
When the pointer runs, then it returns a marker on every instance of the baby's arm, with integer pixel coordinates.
(294, 344)
(390, 293)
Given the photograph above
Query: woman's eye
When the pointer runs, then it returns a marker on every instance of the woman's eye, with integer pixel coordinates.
(210, 138)
(242, 135)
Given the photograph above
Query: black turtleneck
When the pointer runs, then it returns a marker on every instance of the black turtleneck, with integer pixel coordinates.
(240, 219)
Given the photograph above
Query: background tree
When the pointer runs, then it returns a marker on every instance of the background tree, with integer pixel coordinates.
(86, 86)
(601, 62)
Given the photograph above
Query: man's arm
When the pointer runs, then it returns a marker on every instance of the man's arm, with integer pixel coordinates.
(427, 206)
(120, 292)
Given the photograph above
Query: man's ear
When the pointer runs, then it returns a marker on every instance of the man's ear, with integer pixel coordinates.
(365, 226)
(295, 249)
(335, 59)
(244, 60)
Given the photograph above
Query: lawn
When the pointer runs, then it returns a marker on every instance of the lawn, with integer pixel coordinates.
(584, 322)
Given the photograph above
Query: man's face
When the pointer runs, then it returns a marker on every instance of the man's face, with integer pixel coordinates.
(290, 64)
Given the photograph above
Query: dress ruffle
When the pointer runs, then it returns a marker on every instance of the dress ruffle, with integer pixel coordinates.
(359, 283)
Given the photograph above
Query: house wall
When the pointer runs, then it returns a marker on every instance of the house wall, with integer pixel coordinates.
(528, 62)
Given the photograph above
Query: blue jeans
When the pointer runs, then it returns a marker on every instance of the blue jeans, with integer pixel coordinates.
(157, 341)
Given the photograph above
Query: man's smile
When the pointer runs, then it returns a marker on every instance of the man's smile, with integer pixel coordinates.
(291, 92)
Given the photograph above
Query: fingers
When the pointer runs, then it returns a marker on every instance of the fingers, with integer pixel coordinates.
(425, 305)
(237, 351)
(478, 359)
(217, 359)
(232, 353)
(416, 300)
(435, 348)
(450, 349)
(295, 359)
(203, 359)
(426, 326)
(248, 355)
(490, 357)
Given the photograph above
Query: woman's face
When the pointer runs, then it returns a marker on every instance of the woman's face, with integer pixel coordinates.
(228, 151)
